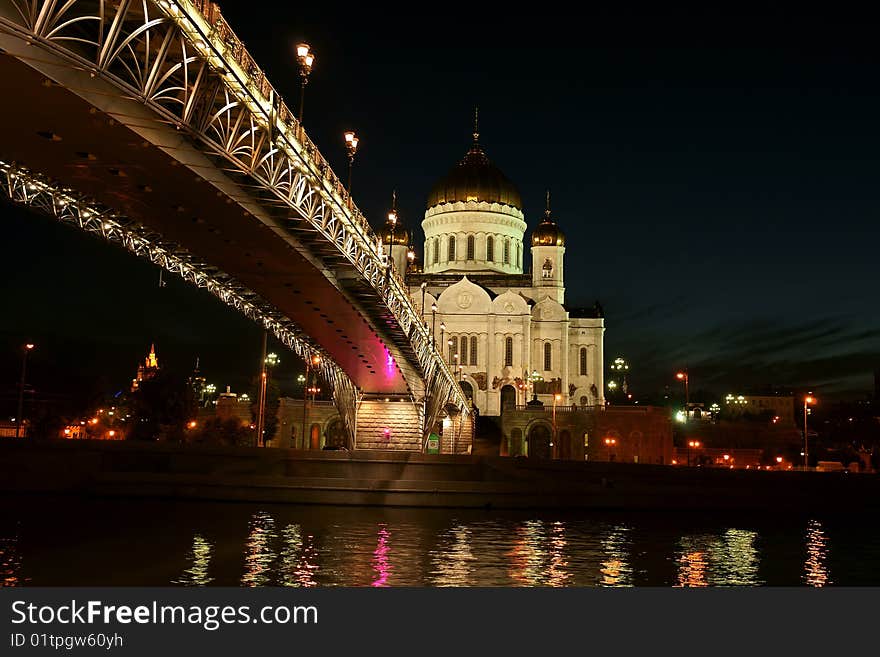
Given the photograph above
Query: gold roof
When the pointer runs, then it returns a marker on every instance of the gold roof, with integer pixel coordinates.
(475, 178)
(547, 233)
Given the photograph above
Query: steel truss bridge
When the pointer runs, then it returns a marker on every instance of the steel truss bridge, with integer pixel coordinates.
(147, 123)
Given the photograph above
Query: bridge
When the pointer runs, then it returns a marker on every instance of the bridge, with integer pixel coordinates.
(148, 124)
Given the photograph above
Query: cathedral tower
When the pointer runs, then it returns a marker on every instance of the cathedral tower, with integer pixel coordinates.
(548, 251)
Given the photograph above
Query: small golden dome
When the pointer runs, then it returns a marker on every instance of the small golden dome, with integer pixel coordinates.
(401, 235)
(547, 233)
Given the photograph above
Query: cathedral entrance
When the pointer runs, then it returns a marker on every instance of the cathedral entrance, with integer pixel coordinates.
(508, 397)
(335, 434)
(539, 442)
(315, 437)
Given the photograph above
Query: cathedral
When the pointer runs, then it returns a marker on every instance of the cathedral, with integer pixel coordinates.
(503, 327)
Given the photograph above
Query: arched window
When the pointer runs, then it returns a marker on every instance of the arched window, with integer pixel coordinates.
(506, 252)
(548, 357)
(473, 350)
(463, 351)
(436, 250)
(470, 247)
(519, 255)
(451, 248)
(508, 352)
(453, 349)
(490, 249)
(547, 269)
(583, 369)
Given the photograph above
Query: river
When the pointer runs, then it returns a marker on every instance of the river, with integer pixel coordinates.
(52, 541)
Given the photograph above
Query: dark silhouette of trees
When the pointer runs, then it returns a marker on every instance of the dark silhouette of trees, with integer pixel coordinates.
(161, 407)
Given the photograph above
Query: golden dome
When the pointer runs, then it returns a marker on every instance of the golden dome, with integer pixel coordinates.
(401, 235)
(547, 233)
(475, 178)
(394, 232)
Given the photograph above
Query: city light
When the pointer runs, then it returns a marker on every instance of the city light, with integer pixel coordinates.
(680, 416)
(192, 424)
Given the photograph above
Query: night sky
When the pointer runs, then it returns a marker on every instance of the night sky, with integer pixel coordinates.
(716, 176)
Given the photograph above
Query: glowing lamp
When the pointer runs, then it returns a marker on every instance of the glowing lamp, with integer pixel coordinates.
(29, 346)
(779, 459)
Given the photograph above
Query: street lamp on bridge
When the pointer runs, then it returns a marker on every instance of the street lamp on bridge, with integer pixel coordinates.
(305, 58)
(351, 144)
(434, 326)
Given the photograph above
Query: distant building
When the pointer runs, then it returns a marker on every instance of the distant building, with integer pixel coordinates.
(147, 370)
(626, 434)
(230, 405)
(778, 407)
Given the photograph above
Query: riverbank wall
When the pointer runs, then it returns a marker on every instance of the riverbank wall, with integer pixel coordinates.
(412, 479)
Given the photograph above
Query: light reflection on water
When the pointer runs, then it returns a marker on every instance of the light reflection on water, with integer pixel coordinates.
(726, 559)
(200, 562)
(272, 545)
(815, 569)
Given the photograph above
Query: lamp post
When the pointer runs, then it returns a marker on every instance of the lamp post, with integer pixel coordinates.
(609, 443)
(556, 399)
(313, 360)
(301, 379)
(392, 219)
(443, 333)
(683, 376)
(351, 144)
(692, 444)
(809, 399)
(26, 349)
(269, 361)
(533, 379)
(305, 58)
(261, 396)
(434, 325)
(424, 286)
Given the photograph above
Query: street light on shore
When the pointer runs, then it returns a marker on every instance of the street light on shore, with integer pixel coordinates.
(684, 377)
(695, 444)
(434, 325)
(26, 349)
(808, 401)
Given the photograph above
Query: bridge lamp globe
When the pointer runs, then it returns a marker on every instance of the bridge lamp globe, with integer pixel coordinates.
(306, 59)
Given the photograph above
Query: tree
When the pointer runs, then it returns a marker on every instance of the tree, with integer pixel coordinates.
(229, 432)
(162, 405)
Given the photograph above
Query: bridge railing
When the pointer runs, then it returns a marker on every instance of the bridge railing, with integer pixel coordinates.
(222, 34)
(278, 114)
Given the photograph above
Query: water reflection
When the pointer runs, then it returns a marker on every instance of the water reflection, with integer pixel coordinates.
(10, 561)
(615, 569)
(815, 568)
(200, 560)
(269, 545)
(259, 555)
(453, 561)
(526, 559)
(737, 559)
(381, 563)
(711, 560)
(299, 558)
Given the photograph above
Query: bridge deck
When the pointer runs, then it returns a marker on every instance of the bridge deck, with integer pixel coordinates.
(58, 133)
